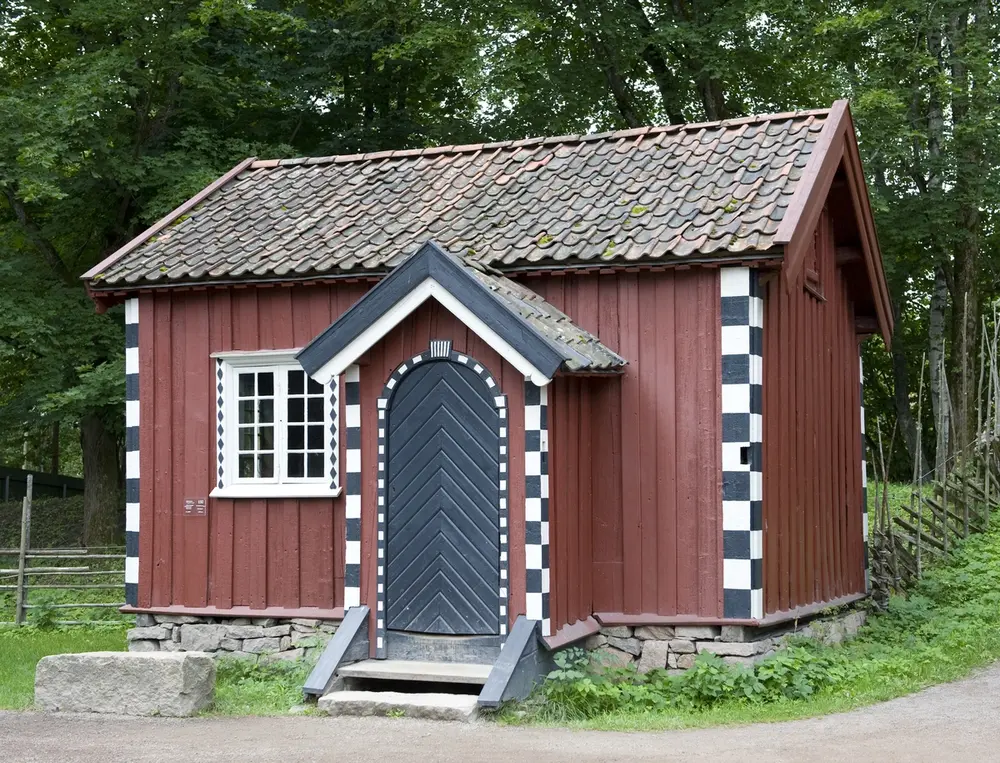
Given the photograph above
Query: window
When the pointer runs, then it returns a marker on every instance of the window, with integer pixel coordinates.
(277, 428)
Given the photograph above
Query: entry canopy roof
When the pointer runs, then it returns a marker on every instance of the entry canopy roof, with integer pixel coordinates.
(528, 332)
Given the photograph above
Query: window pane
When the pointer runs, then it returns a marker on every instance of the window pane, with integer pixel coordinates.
(315, 438)
(296, 438)
(315, 464)
(266, 411)
(265, 465)
(315, 388)
(315, 409)
(265, 384)
(246, 438)
(296, 465)
(295, 379)
(246, 412)
(246, 466)
(296, 409)
(265, 438)
(246, 385)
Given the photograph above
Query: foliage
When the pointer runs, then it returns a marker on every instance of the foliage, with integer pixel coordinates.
(580, 691)
(55, 522)
(949, 625)
(246, 688)
(22, 648)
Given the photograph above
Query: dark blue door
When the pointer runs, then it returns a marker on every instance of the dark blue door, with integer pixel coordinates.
(442, 523)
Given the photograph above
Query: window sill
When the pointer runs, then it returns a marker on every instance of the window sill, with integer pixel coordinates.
(275, 491)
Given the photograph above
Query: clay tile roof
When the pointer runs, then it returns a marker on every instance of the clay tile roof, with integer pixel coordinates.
(651, 194)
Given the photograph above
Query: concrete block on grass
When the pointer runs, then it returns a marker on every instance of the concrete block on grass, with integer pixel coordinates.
(172, 684)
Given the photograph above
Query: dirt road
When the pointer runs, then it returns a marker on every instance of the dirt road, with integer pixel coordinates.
(955, 722)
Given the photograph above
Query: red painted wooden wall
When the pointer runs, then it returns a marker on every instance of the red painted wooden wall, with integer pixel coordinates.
(636, 492)
(813, 549)
(257, 553)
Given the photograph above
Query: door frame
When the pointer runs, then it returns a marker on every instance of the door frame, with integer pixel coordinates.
(440, 350)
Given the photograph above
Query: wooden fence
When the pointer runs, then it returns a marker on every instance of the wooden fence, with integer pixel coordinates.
(25, 569)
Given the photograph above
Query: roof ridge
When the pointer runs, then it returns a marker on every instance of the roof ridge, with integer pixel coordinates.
(524, 142)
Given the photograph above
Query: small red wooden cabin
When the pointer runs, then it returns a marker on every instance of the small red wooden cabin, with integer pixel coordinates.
(602, 379)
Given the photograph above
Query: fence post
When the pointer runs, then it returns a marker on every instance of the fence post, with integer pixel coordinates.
(22, 593)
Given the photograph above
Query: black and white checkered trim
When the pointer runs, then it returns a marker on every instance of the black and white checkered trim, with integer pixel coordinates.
(742, 429)
(220, 415)
(352, 476)
(439, 349)
(536, 505)
(334, 454)
(132, 452)
(864, 477)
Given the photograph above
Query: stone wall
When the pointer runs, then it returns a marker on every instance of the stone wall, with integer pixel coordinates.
(677, 647)
(255, 639)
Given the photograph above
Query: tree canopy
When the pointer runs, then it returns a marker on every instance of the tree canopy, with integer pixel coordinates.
(114, 111)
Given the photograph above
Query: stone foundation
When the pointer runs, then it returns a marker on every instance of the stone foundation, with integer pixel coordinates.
(677, 647)
(255, 639)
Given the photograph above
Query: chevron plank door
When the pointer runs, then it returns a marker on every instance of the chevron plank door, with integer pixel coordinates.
(442, 531)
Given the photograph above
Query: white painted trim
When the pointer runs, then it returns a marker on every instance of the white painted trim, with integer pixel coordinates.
(258, 357)
(384, 324)
(278, 362)
(287, 490)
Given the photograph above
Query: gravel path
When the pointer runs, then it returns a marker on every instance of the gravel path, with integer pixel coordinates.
(954, 722)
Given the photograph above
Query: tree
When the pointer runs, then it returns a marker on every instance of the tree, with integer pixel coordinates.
(922, 80)
(114, 111)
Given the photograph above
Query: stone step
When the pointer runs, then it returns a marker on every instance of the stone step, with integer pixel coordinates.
(438, 707)
(413, 670)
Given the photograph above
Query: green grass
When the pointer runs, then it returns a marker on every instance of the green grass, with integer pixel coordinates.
(242, 688)
(948, 627)
(22, 648)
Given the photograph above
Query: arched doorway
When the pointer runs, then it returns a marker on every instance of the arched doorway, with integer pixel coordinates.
(442, 491)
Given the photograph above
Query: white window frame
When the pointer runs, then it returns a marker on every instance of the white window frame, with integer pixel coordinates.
(279, 486)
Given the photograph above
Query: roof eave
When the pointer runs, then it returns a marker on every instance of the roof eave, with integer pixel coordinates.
(837, 143)
(93, 275)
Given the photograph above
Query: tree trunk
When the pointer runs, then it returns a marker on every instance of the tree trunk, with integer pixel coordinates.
(940, 397)
(54, 450)
(901, 397)
(102, 504)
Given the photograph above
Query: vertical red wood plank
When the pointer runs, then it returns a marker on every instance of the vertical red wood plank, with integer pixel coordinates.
(258, 553)
(709, 449)
(608, 574)
(198, 434)
(276, 585)
(816, 453)
(585, 472)
(628, 317)
(245, 563)
(688, 348)
(787, 426)
(827, 503)
(838, 461)
(178, 411)
(220, 511)
(558, 517)
(801, 463)
(665, 433)
(570, 477)
(266, 315)
(650, 328)
(149, 391)
(772, 456)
